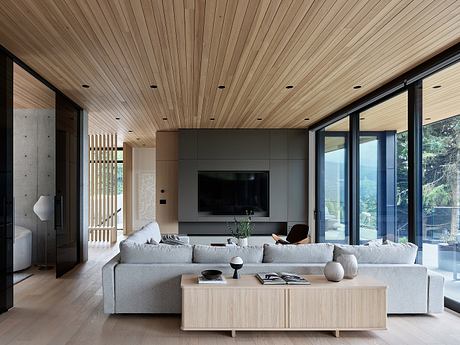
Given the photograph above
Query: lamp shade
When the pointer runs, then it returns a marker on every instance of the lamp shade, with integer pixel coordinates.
(43, 208)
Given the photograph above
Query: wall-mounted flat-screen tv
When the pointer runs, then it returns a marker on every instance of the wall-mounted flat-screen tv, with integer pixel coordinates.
(233, 193)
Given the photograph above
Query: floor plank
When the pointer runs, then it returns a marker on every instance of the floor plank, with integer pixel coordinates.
(69, 311)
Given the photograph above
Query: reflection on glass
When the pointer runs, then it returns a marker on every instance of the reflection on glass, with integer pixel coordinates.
(441, 176)
(368, 191)
(383, 171)
(334, 223)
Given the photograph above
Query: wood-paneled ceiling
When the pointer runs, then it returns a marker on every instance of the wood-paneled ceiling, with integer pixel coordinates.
(255, 48)
(30, 93)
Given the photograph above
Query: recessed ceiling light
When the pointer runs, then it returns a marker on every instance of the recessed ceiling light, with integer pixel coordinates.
(212, 118)
(289, 87)
(362, 118)
(428, 118)
(138, 138)
(259, 119)
(153, 86)
(436, 86)
(117, 118)
(165, 118)
(357, 87)
(307, 119)
(221, 87)
(130, 131)
(85, 86)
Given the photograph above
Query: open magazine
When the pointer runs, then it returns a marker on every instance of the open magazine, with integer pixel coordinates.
(281, 278)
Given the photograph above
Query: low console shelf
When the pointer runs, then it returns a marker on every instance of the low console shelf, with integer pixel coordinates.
(247, 305)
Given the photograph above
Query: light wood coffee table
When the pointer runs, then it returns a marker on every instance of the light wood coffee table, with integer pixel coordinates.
(247, 305)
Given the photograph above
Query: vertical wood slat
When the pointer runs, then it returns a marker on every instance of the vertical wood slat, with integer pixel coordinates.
(103, 188)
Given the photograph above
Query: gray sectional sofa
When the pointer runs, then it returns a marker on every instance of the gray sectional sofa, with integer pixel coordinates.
(145, 278)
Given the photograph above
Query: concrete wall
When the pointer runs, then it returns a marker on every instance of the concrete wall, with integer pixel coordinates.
(143, 194)
(281, 152)
(34, 174)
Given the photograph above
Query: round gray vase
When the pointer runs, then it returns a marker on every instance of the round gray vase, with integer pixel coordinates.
(333, 271)
(349, 264)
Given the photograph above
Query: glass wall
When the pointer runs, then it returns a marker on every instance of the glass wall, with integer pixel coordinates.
(441, 176)
(333, 193)
(383, 171)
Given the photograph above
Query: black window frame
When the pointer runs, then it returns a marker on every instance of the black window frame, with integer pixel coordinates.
(410, 82)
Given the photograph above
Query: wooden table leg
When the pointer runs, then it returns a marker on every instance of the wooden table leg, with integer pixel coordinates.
(233, 333)
(337, 333)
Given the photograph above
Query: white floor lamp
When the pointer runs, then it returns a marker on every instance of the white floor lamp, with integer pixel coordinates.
(43, 208)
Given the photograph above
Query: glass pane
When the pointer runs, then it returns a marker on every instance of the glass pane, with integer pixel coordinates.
(368, 190)
(383, 171)
(334, 193)
(120, 155)
(441, 176)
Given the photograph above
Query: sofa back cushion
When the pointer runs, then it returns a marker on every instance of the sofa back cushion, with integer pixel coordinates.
(210, 254)
(393, 253)
(148, 232)
(298, 253)
(140, 253)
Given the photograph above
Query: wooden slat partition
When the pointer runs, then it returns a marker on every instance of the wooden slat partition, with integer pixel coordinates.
(103, 188)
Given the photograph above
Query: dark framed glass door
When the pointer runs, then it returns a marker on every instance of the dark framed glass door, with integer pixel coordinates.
(67, 199)
(6, 183)
(332, 184)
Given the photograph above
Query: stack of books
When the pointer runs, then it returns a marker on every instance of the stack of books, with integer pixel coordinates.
(220, 280)
(282, 278)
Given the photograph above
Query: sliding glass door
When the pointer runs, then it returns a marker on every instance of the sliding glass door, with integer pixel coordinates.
(441, 177)
(332, 153)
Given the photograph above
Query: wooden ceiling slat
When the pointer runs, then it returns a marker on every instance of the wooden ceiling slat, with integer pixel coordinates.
(253, 47)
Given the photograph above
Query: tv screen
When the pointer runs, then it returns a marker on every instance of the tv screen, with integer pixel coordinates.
(233, 193)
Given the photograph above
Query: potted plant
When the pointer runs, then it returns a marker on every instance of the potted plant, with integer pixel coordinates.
(242, 229)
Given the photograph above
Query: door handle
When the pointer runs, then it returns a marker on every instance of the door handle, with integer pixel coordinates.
(58, 211)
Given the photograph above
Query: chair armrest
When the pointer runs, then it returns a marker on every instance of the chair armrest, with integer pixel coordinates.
(108, 284)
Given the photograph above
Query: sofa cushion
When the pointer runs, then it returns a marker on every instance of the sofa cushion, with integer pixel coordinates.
(209, 254)
(148, 232)
(395, 253)
(140, 253)
(298, 253)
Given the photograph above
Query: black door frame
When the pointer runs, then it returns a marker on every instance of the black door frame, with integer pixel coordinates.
(7, 59)
(6, 183)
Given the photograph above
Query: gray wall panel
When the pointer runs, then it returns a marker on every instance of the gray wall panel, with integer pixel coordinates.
(233, 144)
(278, 187)
(188, 144)
(297, 191)
(298, 145)
(278, 144)
(275, 151)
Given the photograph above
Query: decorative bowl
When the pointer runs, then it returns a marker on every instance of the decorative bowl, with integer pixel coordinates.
(211, 274)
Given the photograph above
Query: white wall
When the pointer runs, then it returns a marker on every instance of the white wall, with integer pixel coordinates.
(143, 186)
(34, 174)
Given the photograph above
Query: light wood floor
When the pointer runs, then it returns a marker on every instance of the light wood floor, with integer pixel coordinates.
(69, 311)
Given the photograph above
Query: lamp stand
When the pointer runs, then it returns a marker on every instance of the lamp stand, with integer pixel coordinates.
(45, 267)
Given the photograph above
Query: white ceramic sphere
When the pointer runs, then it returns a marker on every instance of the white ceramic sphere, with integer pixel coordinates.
(333, 271)
(236, 260)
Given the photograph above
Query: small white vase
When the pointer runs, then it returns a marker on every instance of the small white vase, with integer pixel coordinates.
(243, 242)
(333, 271)
(349, 264)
